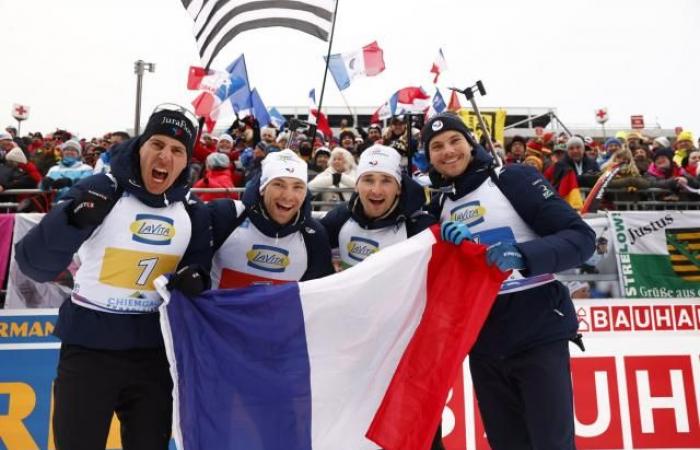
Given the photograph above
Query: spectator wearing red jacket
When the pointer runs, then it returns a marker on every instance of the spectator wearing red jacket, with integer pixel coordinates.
(217, 175)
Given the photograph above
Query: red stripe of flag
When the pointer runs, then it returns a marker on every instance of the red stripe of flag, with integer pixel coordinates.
(374, 59)
(461, 288)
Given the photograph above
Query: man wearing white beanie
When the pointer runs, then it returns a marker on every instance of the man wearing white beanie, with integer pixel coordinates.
(385, 209)
(270, 236)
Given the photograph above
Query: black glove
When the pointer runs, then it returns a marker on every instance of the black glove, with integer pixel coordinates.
(89, 209)
(62, 182)
(336, 179)
(47, 183)
(190, 280)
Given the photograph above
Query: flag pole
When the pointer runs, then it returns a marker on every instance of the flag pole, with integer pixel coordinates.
(328, 58)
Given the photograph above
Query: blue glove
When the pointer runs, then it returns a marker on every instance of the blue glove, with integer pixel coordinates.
(455, 232)
(506, 256)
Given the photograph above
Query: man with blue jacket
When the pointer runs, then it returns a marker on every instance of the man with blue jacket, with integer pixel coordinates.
(270, 236)
(127, 228)
(520, 362)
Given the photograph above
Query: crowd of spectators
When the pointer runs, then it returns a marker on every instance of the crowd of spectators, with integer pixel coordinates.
(55, 161)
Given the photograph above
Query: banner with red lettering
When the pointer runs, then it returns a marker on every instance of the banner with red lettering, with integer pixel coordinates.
(658, 253)
(636, 386)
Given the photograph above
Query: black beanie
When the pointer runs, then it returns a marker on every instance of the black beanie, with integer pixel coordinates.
(667, 152)
(172, 124)
(444, 122)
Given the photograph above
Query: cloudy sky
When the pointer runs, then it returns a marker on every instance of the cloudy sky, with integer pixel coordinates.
(72, 61)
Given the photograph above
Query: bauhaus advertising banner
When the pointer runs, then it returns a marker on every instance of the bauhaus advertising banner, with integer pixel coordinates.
(658, 253)
(635, 386)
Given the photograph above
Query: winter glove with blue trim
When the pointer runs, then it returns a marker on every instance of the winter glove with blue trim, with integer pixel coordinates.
(190, 280)
(506, 256)
(455, 232)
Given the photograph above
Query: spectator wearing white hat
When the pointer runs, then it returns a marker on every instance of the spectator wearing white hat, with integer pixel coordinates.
(269, 237)
(340, 173)
(68, 171)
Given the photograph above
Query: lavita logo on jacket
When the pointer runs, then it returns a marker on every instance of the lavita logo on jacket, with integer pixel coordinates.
(470, 213)
(268, 258)
(152, 229)
(360, 248)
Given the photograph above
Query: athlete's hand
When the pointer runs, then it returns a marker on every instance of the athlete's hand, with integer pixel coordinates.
(455, 232)
(190, 280)
(89, 209)
(506, 256)
(62, 182)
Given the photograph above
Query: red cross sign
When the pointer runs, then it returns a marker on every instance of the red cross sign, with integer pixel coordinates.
(20, 112)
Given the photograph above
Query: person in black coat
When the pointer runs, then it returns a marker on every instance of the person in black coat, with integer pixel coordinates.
(385, 209)
(520, 362)
(269, 237)
(127, 228)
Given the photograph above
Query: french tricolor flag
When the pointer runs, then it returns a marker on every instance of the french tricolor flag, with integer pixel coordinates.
(368, 61)
(439, 65)
(355, 361)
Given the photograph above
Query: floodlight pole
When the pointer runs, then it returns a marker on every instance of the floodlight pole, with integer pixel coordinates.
(139, 67)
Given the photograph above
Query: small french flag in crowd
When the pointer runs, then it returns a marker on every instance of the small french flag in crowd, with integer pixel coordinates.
(368, 61)
(438, 104)
(439, 65)
(354, 361)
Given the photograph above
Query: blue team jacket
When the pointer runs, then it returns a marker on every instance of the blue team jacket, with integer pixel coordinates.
(48, 249)
(522, 320)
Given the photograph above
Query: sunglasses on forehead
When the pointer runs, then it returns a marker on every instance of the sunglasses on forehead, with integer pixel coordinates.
(177, 108)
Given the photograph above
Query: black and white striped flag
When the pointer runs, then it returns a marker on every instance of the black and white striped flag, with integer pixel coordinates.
(217, 22)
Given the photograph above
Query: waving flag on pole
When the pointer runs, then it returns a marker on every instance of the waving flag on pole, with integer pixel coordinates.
(259, 109)
(354, 361)
(408, 99)
(454, 104)
(276, 117)
(224, 93)
(437, 105)
(319, 119)
(217, 22)
(368, 61)
(439, 65)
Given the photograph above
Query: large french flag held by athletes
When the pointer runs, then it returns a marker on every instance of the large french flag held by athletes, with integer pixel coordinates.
(357, 360)
(368, 61)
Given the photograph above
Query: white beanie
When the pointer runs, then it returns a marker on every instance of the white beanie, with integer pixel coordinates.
(380, 158)
(226, 137)
(72, 143)
(574, 140)
(282, 164)
(5, 136)
(663, 141)
(16, 155)
(217, 160)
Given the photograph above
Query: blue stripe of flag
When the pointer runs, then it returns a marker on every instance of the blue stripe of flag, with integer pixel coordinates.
(337, 67)
(258, 347)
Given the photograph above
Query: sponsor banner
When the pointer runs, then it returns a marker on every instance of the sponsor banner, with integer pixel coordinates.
(636, 386)
(22, 291)
(658, 253)
(495, 121)
(28, 359)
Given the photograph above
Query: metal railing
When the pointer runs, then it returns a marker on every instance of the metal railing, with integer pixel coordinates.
(650, 199)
